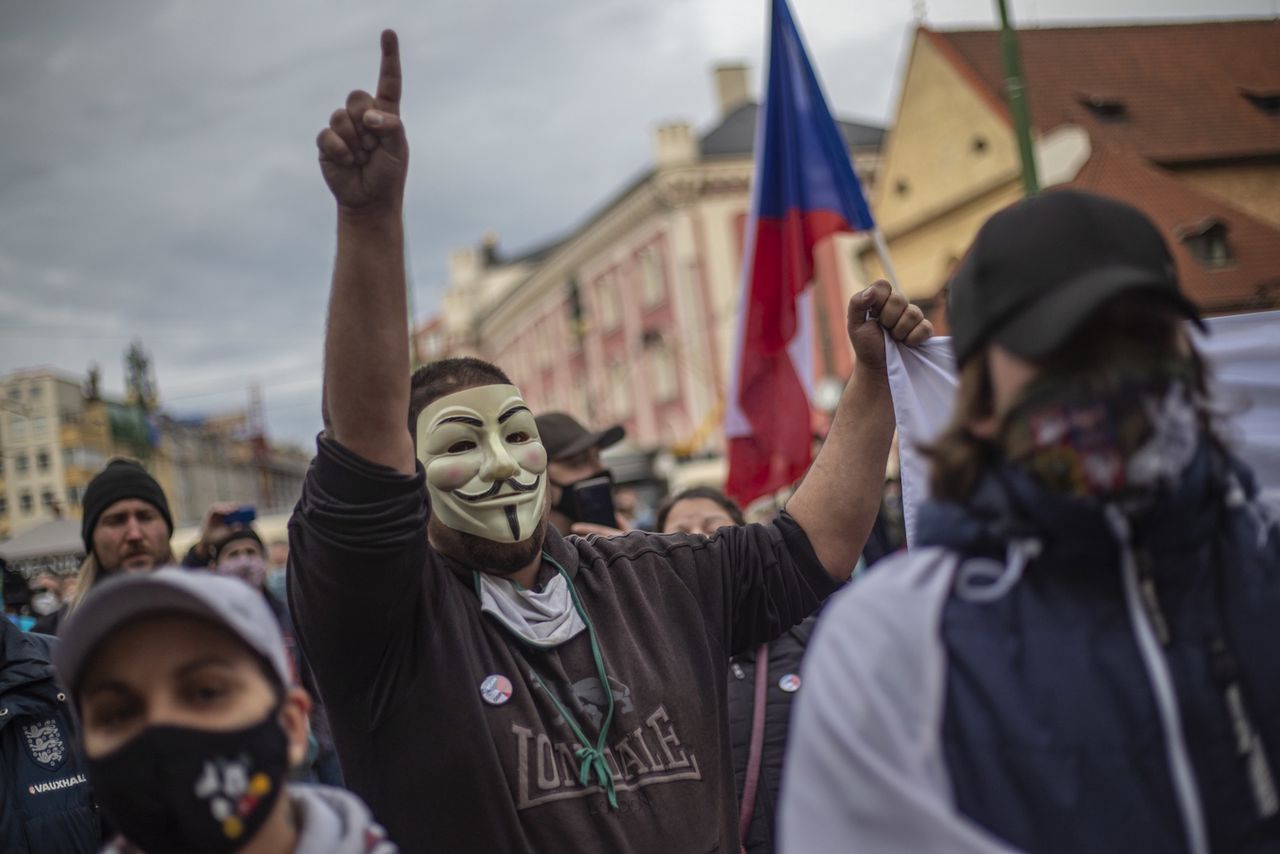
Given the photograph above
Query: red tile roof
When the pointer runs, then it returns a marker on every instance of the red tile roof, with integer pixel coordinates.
(1182, 86)
(1250, 281)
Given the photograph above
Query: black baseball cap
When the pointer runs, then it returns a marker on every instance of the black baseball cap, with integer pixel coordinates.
(1040, 267)
(564, 437)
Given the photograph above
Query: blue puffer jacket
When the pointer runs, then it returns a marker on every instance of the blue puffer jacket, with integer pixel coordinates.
(45, 803)
(1042, 675)
(1054, 734)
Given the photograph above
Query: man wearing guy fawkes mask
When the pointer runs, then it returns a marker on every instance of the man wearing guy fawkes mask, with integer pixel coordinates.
(508, 688)
(1088, 619)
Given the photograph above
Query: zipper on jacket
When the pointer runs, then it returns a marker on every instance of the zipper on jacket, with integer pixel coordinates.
(1151, 597)
(1249, 745)
(1145, 615)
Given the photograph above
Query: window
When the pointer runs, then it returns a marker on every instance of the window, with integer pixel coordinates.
(577, 318)
(17, 427)
(42, 461)
(46, 498)
(15, 393)
(1, 466)
(1107, 108)
(653, 281)
(619, 390)
(39, 427)
(35, 392)
(73, 494)
(4, 506)
(24, 503)
(665, 383)
(20, 463)
(1266, 101)
(1208, 243)
(610, 303)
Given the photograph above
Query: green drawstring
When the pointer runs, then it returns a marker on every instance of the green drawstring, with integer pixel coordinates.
(591, 758)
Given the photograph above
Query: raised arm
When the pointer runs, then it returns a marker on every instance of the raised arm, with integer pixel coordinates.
(837, 502)
(364, 157)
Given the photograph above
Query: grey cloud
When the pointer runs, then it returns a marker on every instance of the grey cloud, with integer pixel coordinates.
(157, 165)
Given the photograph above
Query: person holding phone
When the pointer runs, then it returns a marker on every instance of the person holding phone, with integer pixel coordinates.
(221, 519)
(519, 690)
(579, 485)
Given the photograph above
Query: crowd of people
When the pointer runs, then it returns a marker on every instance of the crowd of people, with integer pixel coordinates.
(1077, 654)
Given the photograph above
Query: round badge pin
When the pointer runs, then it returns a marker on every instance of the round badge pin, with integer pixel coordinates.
(790, 683)
(496, 689)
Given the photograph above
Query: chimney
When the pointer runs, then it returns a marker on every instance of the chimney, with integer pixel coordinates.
(674, 144)
(731, 86)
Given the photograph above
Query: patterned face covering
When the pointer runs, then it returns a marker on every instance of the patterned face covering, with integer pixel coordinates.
(184, 789)
(1126, 436)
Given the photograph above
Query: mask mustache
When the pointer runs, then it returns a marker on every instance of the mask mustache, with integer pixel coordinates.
(516, 486)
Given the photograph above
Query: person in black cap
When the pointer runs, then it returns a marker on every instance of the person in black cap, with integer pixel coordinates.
(573, 460)
(1079, 653)
(126, 528)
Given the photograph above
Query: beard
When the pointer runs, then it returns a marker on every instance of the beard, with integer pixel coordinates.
(485, 555)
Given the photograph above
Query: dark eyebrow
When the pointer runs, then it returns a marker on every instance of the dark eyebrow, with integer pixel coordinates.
(512, 411)
(462, 419)
(199, 663)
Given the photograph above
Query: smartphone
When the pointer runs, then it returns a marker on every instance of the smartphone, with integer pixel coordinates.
(593, 501)
(242, 516)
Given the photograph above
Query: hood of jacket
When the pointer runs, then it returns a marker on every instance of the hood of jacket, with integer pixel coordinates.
(334, 821)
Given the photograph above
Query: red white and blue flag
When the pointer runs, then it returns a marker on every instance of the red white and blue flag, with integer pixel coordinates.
(805, 190)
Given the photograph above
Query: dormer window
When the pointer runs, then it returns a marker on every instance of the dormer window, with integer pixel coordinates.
(1266, 101)
(1207, 242)
(1107, 108)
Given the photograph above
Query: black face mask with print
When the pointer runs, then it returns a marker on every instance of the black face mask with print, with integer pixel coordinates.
(172, 788)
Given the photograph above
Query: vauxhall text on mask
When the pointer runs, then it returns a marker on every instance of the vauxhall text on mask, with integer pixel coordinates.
(485, 463)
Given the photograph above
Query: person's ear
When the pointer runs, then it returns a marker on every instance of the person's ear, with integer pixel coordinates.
(295, 720)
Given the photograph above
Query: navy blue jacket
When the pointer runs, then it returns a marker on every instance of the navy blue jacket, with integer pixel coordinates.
(45, 803)
(1041, 674)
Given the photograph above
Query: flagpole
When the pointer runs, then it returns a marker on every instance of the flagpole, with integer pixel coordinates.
(882, 249)
(1015, 89)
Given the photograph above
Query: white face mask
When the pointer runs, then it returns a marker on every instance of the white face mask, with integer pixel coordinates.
(485, 463)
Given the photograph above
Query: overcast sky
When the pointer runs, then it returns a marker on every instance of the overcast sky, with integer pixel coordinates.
(157, 163)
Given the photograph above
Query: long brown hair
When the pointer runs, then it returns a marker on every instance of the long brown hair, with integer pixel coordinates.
(1131, 328)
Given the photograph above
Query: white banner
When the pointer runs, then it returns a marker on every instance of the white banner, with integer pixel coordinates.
(1243, 351)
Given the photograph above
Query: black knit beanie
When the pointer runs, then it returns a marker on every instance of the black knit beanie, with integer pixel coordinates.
(120, 479)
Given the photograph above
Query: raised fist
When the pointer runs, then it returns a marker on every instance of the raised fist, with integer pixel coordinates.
(879, 307)
(364, 156)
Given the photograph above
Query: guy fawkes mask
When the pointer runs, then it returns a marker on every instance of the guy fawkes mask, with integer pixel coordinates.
(485, 463)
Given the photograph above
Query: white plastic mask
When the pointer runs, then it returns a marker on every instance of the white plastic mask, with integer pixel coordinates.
(485, 463)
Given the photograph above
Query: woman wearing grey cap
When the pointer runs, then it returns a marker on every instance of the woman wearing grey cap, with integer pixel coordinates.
(191, 719)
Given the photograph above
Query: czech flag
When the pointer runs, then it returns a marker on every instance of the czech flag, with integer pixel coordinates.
(805, 190)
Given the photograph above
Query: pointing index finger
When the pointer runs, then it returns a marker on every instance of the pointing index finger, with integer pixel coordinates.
(388, 94)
